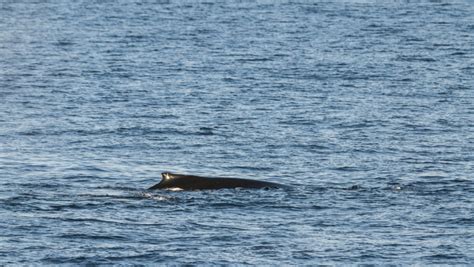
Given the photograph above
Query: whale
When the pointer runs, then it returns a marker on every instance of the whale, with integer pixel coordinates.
(174, 181)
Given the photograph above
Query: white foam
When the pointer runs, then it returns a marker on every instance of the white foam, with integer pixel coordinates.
(175, 189)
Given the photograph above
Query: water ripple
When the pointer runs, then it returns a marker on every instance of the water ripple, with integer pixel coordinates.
(364, 108)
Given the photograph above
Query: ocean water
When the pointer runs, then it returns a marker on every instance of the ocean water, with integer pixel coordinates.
(366, 108)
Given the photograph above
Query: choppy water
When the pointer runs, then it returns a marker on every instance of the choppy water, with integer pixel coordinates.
(365, 107)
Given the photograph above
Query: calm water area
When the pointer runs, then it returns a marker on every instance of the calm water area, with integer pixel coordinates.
(364, 108)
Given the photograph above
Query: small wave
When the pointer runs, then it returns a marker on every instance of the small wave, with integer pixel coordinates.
(252, 168)
(433, 174)
(205, 131)
(295, 207)
(117, 195)
(118, 188)
(441, 257)
(150, 257)
(63, 43)
(93, 237)
(156, 197)
(121, 131)
(462, 221)
(415, 58)
(42, 185)
(346, 169)
(214, 227)
(226, 204)
(109, 221)
(354, 187)
(243, 60)
(459, 54)
(86, 168)
(72, 206)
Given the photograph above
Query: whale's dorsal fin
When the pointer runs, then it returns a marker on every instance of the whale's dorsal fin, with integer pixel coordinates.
(167, 176)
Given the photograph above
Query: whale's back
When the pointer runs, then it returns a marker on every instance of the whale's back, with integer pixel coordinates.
(193, 182)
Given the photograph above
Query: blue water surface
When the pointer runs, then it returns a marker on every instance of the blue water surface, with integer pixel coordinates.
(365, 107)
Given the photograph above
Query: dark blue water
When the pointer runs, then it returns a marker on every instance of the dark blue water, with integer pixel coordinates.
(365, 107)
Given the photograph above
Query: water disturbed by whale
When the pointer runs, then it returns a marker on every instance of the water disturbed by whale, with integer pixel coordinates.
(173, 181)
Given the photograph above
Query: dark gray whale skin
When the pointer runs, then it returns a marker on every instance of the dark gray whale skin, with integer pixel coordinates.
(192, 182)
